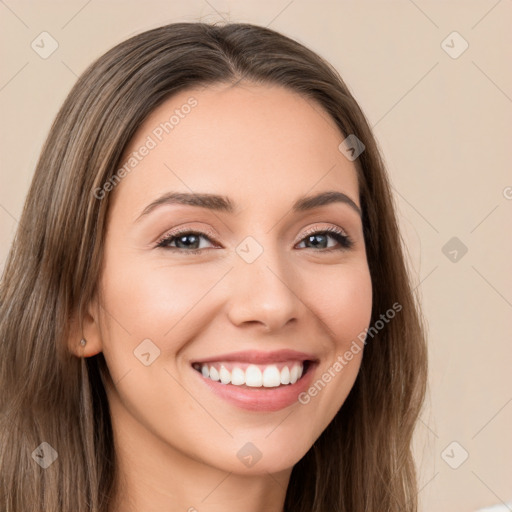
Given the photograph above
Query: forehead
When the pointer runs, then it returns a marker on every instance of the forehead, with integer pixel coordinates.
(256, 143)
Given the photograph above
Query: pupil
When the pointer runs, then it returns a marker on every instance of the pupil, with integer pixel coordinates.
(184, 237)
(314, 239)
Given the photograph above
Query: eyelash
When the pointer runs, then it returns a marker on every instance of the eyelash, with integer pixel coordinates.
(343, 240)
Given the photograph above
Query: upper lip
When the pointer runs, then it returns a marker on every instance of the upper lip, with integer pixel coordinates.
(259, 357)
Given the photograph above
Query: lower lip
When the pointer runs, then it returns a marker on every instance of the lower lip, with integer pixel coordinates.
(260, 399)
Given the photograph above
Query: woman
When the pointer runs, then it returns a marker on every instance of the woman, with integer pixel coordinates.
(206, 306)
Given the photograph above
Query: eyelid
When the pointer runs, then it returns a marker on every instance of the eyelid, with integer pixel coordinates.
(320, 229)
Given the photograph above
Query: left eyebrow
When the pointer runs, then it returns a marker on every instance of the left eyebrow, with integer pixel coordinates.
(225, 204)
(324, 198)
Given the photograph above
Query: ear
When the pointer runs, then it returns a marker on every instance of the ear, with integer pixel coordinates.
(89, 330)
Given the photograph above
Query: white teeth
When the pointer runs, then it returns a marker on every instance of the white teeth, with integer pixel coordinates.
(225, 375)
(285, 375)
(237, 377)
(271, 377)
(295, 373)
(253, 376)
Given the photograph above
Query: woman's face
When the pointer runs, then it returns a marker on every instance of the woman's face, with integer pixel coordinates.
(246, 292)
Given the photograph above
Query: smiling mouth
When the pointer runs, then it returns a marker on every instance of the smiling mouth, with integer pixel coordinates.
(247, 375)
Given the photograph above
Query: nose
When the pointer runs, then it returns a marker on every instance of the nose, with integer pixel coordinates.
(264, 293)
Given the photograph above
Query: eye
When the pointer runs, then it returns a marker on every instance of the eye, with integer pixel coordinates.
(187, 240)
(318, 237)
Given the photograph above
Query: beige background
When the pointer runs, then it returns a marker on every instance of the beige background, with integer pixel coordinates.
(444, 127)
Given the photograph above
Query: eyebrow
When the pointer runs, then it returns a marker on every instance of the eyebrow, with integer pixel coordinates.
(225, 204)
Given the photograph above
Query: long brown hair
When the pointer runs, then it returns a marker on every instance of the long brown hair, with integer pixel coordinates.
(362, 461)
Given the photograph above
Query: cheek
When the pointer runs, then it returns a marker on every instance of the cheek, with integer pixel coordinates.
(156, 301)
(151, 309)
(149, 300)
(342, 300)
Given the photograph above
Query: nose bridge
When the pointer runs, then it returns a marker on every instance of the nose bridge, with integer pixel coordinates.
(263, 286)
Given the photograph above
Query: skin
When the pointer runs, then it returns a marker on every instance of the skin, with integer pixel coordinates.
(176, 441)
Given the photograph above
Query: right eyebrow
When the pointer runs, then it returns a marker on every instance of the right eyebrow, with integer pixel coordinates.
(210, 201)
